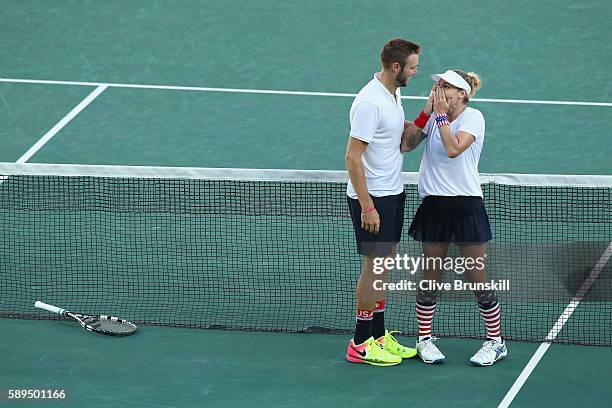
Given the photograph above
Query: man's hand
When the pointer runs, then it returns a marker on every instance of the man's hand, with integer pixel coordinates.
(370, 221)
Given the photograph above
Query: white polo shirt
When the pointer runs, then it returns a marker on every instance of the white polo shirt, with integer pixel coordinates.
(442, 176)
(377, 118)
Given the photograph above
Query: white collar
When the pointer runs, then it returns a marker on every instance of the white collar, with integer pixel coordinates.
(383, 88)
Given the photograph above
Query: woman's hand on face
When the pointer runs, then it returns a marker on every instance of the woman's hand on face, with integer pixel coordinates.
(440, 103)
(429, 104)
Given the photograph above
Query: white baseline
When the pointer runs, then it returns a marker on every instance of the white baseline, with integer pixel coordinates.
(279, 92)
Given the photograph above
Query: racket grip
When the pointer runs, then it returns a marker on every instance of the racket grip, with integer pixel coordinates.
(50, 308)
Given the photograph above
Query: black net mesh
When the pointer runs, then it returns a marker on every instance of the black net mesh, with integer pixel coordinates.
(280, 256)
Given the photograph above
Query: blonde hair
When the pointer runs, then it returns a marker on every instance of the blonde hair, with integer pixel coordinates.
(473, 79)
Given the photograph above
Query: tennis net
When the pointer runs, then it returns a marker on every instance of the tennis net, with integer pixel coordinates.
(274, 250)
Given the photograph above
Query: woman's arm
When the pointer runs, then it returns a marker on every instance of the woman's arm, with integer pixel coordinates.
(455, 144)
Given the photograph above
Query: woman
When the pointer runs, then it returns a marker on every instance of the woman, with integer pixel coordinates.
(452, 209)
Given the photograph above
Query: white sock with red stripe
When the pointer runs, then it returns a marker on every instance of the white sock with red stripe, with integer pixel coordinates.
(492, 319)
(424, 316)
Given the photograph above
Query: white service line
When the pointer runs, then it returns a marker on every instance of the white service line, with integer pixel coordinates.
(275, 92)
(552, 334)
(539, 102)
(60, 125)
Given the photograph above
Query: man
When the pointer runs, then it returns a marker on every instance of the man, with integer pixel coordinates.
(376, 196)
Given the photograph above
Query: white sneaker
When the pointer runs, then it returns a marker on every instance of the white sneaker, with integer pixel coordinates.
(428, 351)
(489, 353)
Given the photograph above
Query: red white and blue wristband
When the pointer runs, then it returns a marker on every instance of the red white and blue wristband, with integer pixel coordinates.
(442, 119)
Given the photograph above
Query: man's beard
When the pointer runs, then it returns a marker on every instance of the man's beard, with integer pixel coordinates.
(402, 80)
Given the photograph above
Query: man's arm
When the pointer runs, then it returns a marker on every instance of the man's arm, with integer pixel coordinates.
(370, 221)
(411, 137)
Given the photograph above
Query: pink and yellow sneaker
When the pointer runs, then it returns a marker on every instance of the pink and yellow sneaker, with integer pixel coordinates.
(371, 352)
(390, 344)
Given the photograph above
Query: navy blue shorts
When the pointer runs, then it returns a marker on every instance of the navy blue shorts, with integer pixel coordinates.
(391, 212)
(458, 219)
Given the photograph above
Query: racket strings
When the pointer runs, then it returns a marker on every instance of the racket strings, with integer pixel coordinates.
(115, 326)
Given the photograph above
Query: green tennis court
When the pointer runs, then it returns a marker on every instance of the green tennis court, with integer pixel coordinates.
(268, 85)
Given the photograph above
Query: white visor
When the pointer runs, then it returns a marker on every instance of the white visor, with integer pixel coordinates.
(454, 79)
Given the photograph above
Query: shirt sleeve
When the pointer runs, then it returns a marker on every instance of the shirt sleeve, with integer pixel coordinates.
(364, 121)
(474, 124)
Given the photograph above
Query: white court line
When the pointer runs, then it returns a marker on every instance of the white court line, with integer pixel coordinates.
(552, 335)
(274, 92)
(60, 125)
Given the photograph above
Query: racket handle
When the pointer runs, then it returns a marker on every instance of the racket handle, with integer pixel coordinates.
(50, 308)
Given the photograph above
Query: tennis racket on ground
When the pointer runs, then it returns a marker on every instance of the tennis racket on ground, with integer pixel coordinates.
(108, 325)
